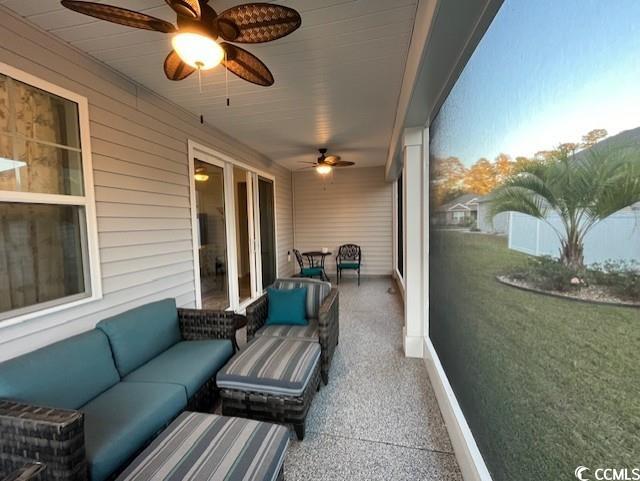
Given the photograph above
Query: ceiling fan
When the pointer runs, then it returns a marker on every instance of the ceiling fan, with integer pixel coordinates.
(194, 41)
(325, 163)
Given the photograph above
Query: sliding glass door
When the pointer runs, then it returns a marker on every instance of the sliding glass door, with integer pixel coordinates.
(267, 222)
(211, 235)
(244, 237)
(233, 210)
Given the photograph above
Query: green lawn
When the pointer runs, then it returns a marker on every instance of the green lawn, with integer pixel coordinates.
(546, 384)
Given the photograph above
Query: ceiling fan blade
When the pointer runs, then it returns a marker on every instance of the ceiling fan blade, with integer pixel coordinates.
(257, 22)
(119, 15)
(246, 65)
(331, 159)
(175, 68)
(187, 8)
(343, 163)
(305, 162)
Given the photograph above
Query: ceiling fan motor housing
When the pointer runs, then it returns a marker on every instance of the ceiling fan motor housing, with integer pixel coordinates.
(205, 25)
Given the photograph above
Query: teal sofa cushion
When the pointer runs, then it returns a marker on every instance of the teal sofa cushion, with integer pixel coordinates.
(122, 420)
(348, 265)
(140, 334)
(287, 306)
(189, 364)
(64, 375)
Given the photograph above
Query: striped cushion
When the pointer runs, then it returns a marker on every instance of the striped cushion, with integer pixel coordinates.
(305, 333)
(317, 291)
(271, 365)
(206, 447)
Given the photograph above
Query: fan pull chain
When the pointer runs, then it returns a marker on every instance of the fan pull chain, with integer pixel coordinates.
(226, 78)
(200, 87)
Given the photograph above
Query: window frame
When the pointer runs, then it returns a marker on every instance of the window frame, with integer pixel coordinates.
(93, 286)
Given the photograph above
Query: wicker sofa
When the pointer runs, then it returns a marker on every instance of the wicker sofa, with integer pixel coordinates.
(86, 405)
(322, 312)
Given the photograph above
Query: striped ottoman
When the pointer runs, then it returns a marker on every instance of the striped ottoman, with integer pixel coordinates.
(206, 447)
(271, 379)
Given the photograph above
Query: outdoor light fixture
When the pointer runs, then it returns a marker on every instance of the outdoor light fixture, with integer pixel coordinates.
(201, 175)
(198, 51)
(323, 169)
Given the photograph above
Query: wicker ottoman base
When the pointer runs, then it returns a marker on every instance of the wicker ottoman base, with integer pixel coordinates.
(270, 407)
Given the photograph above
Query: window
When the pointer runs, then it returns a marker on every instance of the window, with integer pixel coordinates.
(458, 216)
(540, 139)
(47, 219)
(400, 226)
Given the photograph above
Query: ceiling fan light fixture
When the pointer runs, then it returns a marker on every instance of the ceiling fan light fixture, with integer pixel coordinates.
(323, 169)
(197, 51)
(201, 175)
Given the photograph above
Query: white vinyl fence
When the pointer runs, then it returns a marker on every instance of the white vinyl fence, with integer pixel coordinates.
(617, 237)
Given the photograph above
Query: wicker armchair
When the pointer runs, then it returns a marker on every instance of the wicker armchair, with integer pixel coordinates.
(55, 437)
(328, 326)
(27, 473)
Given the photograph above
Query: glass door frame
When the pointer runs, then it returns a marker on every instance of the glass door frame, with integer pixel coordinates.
(227, 163)
(257, 223)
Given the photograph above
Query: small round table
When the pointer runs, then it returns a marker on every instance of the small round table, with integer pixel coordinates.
(313, 255)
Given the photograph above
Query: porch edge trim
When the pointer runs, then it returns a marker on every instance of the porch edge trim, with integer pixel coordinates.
(470, 460)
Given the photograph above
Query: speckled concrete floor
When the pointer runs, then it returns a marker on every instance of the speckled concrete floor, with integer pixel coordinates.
(378, 418)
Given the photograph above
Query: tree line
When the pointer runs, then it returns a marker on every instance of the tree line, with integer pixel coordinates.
(450, 178)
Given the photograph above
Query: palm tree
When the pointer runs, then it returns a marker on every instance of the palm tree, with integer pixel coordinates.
(582, 189)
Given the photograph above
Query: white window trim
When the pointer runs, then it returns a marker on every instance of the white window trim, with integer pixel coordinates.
(221, 159)
(87, 201)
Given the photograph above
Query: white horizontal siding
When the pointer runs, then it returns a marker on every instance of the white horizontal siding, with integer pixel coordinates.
(139, 153)
(354, 206)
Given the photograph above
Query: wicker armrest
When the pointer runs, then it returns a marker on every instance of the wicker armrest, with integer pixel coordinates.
(328, 315)
(329, 330)
(54, 437)
(257, 313)
(202, 324)
(27, 473)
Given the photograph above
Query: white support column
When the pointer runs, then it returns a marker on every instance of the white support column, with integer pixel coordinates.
(414, 311)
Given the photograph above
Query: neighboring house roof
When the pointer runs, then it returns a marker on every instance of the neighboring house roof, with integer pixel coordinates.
(464, 202)
(460, 207)
(485, 198)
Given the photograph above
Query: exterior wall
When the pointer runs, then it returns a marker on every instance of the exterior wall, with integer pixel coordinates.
(498, 225)
(355, 206)
(617, 237)
(139, 144)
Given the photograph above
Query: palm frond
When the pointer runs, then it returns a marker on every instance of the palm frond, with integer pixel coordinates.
(518, 199)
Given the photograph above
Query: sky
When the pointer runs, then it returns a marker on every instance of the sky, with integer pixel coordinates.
(545, 72)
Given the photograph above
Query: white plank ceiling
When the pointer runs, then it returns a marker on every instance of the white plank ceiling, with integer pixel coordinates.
(338, 77)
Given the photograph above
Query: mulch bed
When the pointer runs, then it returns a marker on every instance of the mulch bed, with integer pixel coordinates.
(590, 294)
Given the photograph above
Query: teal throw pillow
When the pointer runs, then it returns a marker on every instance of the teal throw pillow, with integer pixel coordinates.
(287, 306)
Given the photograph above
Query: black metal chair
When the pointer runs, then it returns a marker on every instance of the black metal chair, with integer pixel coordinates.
(311, 271)
(349, 258)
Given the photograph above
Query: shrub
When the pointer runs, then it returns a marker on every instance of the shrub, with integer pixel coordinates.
(620, 277)
(549, 274)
